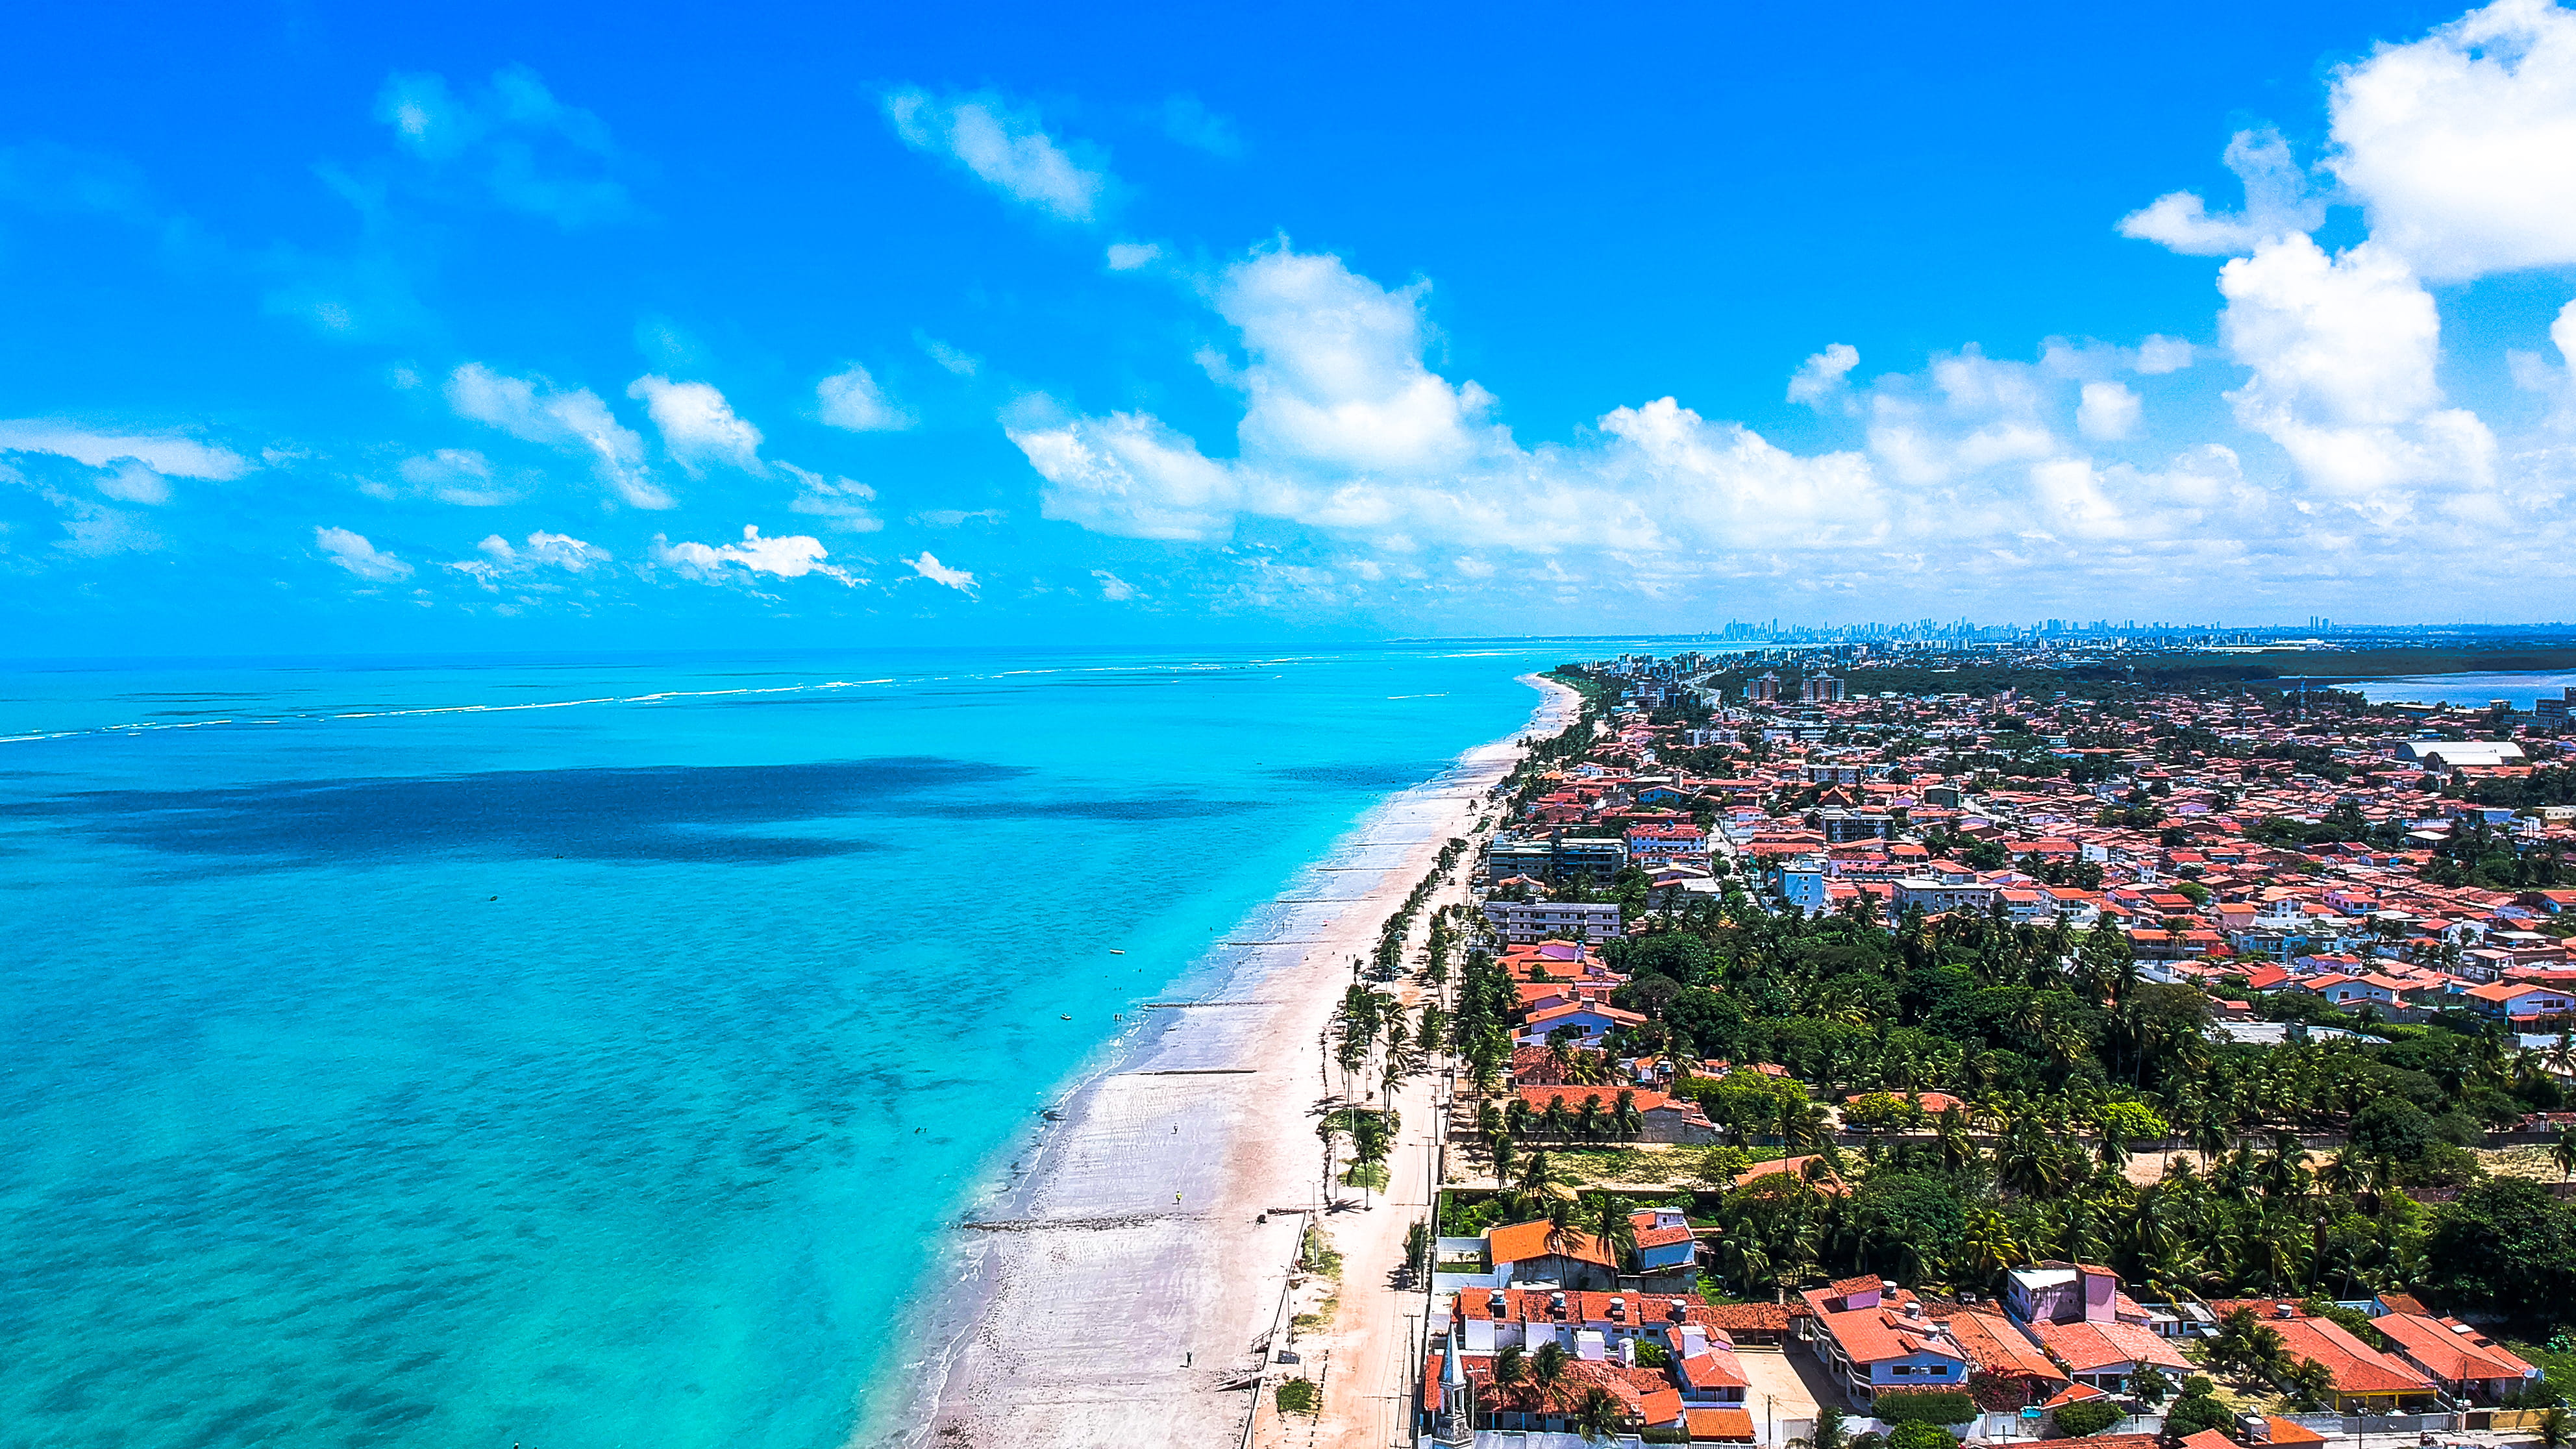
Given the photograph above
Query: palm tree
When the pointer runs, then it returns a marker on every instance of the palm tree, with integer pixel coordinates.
(2347, 1173)
(1564, 1224)
(2555, 1429)
(1500, 1146)
(1801, 1123)
(1510, 1367)
(1547, 1365)
(1607, 1219)
(1597, 1417)
(2563, 1152)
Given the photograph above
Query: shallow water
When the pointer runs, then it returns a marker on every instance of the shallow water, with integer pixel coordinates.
(581, 1055)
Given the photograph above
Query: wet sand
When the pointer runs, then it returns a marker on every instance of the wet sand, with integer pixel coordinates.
(1120, 1290)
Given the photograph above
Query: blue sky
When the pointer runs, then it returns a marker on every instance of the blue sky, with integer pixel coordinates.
(540, 327)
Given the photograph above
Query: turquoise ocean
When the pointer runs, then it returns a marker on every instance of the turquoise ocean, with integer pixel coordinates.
(581, 1054)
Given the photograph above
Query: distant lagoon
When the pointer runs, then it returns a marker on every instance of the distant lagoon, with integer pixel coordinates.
(2474, 691)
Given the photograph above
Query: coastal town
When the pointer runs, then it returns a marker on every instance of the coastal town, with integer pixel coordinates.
(1803, 1053)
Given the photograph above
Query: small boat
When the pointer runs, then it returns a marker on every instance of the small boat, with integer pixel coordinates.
(1114, 951)
(1068, 1016)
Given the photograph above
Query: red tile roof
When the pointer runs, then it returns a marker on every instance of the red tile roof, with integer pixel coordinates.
(1735, 1425)
(1520, 1242)
(2448, 1349)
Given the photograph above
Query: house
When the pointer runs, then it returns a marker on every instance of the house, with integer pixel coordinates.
(2366, 1381)
(1599, 1333)
(1665, 1244)
(1998, 1349)
(1533, 1253)
(2518, 1001)
(1588, 1022)
(2078, 1315)
(1877, 1338)
(2458, 1357)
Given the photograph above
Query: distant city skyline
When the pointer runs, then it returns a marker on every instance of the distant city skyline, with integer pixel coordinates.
(507, 330)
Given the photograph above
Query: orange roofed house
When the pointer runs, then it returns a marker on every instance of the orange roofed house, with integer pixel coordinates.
(2091, 1329)
(2366, 1381)
(1876, 1338)
(2454, 1355)
(1700, 1391)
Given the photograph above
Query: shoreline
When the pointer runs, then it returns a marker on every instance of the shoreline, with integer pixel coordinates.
(1113, 1283)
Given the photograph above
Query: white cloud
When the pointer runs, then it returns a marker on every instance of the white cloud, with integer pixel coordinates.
(460, 476)
(1113, 588)
(2277, 203)
(351, 551)
(543, 550)
(2462, 145)
(851, 399)
(2108, 411)
(135, 482)
(170, 456)
(1337, 380)
(844, 501)
(955, 360)
(2159, 355)
(513, 141)
(929, 567)
(790, 557)
(1003, 145)
(1825, 376)
(2343, 352)
(1127, 474)
(1128, 256)
(697, 425)
(575, 421)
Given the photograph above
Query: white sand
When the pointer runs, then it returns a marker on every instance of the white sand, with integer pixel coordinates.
(1121, 1292)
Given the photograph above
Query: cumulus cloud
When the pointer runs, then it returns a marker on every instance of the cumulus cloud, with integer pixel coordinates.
(851, 399)
(2343, 351)
(790, 557)
(167, 455)
(543, 550)
(1113, 588)
(351, 551)
(2278, 202)
(698, 426)
(511, 141)
(929, 567)
(842, 501)
(2462, 146)
(1824, 377)
(574, 421)
(2108, 411)
(1129, 475)
(2158, 355)
(1129, 256)
(1002, 144)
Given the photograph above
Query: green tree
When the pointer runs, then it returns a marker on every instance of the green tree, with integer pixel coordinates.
(1598, 1417)
(1547, 1366)
(2078, 1421)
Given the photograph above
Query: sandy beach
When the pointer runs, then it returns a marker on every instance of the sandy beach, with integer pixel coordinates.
(1123, 1288)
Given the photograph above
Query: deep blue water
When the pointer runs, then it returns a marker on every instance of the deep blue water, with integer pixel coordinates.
(582, 1055)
